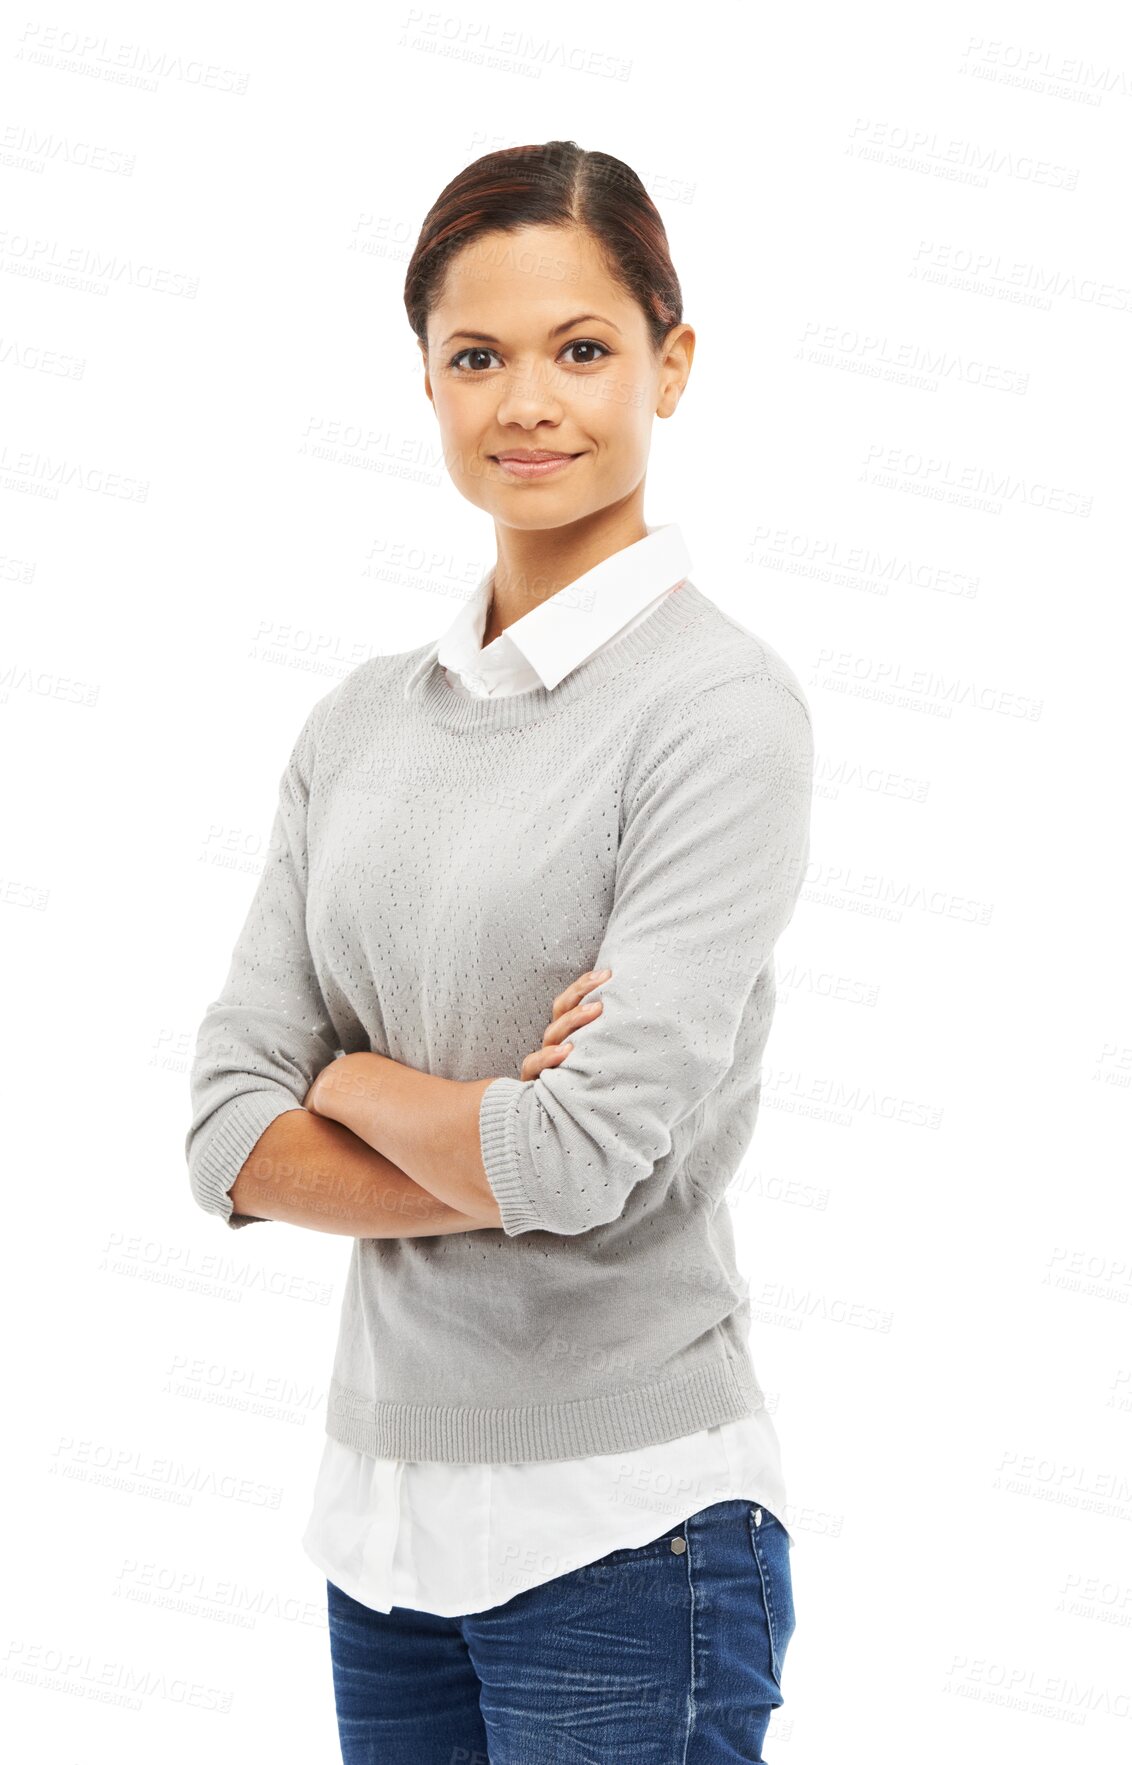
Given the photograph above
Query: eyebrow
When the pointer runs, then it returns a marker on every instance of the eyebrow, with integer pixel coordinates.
(482, 336)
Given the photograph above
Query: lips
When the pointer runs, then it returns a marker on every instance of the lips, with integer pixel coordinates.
(533, 465)
(533, 457)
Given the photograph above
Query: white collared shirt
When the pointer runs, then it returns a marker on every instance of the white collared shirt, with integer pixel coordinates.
(452, 1539)
(564, 630)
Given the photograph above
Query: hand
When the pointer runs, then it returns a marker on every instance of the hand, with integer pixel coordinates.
(566, 1015)
(335, 1080)
(310, 1101)
(344, 1081)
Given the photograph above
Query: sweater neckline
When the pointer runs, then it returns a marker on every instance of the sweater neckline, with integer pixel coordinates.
(427, 686)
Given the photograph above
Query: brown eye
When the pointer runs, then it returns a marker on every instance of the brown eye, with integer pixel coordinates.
(456, 359)
(588, 343)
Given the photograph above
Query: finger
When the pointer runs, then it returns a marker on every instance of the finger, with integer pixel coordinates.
(560, 1027)
(577, 990)
(545, 1057)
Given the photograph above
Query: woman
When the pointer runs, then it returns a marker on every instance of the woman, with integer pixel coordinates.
(548, 1507)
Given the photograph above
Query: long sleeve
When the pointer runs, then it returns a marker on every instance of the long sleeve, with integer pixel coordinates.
(710, 865)
(268, 1034)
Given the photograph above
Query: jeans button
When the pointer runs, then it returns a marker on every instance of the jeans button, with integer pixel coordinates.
(677, 1545)
(758, 1516)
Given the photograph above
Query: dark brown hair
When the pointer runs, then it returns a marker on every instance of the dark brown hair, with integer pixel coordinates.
(555, 184)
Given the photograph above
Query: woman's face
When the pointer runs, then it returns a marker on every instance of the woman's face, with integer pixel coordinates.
(532, 347)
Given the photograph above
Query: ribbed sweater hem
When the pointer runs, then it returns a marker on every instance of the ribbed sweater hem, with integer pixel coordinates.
(231, 1137)
(500, 1155)
(726, 1390)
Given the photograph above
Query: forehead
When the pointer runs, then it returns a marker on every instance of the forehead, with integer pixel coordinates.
(529, 280)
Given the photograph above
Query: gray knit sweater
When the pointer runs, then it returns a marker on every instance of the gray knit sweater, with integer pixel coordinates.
(441, 866)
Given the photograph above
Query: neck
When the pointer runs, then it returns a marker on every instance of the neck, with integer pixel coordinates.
(673, 624)
(534, 564)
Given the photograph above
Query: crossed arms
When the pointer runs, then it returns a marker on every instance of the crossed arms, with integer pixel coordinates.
(710, 862)
(381, 1150)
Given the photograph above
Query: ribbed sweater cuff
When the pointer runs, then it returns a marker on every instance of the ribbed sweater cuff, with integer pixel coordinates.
(499, 1149)
(229, 1139)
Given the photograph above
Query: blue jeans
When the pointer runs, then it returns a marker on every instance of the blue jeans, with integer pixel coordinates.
(651, 1656)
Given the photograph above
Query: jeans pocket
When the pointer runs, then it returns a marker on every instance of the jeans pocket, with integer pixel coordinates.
(770, 1544)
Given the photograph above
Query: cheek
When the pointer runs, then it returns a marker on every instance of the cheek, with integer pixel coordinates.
(621, 448)
(457, 409)
(460, 434)
(621, 423)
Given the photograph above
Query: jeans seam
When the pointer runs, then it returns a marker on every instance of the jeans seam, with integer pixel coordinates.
(768, 1598)
(691, 1722)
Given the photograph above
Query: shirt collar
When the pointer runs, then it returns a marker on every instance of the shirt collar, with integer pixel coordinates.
(555, 637)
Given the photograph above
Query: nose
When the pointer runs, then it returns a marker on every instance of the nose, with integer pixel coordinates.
(527, 397)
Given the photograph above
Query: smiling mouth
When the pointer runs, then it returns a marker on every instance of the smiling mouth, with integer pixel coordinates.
(539, 458)
(533, 466)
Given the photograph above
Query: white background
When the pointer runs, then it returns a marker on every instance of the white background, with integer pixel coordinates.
(902, 459)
